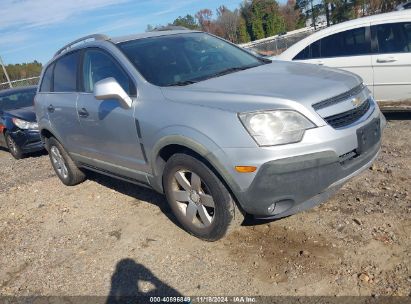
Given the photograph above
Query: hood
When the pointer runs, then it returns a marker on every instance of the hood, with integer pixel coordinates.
(271, 84)
(26, 114)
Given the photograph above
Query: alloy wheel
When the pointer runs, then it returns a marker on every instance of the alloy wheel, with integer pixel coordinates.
(58, 162)
(193, 198)
(12, 145)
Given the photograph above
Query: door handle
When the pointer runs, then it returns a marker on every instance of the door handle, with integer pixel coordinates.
(83, 113)
(320, 62)
(51, 108)
(386, 59)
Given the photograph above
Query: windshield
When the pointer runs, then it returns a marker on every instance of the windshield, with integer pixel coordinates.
(183, 59)
(17, 100)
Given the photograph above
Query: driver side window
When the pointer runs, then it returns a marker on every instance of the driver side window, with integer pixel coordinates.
(97, 65)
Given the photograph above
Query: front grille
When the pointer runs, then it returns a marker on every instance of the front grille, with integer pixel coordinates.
(339, 98)
(346, 118)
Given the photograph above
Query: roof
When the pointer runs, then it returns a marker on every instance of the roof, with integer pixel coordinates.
(15, 90)
(367, 19)
(79, 43)
(149, 35)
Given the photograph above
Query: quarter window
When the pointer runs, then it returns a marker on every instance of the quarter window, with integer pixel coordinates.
(98, 65)
(65, 73)
(393, 37)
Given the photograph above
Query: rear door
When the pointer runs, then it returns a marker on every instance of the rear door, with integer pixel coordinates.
(58, 94)
(392, 60)
(110, 132)
(348, 49)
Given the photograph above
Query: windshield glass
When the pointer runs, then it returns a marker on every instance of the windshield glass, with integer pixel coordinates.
(183, 59)
(17, 100)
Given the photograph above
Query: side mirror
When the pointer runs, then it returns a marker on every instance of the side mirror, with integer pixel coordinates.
(109, 88)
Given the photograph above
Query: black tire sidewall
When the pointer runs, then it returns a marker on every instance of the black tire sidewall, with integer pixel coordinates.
(69, 181)
(16, 154)
(223, 202)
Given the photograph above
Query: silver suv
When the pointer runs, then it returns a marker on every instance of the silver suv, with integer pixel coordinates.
(221, 132)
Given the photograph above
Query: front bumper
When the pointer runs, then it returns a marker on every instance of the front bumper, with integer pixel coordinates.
(285, 187)
(28, 140)
(288, 185)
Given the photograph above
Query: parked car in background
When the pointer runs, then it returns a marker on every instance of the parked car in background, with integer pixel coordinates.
(377, 48)
(18, 127)
(219, 131)
(403, 6)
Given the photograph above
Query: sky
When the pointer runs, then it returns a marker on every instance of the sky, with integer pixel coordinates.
(35, 29)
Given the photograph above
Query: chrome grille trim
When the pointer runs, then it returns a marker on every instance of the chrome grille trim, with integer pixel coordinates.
(339, 98)
(347, 118)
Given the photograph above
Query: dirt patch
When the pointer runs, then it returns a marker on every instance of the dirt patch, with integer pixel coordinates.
(279, 254)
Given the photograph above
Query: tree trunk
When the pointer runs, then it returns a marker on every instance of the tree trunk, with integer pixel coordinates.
(327, 13)
(312, 14)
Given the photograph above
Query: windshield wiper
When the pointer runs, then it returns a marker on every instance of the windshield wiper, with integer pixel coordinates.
(181, 83)
(221, 73)
(229, 71)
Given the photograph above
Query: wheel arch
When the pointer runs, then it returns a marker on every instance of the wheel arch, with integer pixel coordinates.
(45, 134)
(180, 144)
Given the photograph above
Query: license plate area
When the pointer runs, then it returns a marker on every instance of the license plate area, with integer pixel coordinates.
(368, 136)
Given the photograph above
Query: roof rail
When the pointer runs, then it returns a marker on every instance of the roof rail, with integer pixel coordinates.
(96, 37)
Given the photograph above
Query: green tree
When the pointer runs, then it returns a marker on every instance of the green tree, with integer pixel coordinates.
(257, 27)
(242, 33)
(342, 10)
(188, 21)
(20, 71)
(263, 18)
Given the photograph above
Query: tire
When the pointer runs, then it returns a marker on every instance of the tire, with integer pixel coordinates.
(199, 200)
(63, 165)
(14, 149)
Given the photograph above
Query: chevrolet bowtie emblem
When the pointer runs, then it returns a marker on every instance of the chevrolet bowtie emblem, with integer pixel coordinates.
(356, 101)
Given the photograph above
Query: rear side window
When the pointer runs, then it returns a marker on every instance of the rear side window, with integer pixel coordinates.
(47, 79)
(97, 65)
(348, 43)
(65, 73)
(393, 37)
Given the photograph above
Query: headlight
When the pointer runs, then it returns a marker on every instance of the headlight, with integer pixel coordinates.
(278, 127)
(22, 124)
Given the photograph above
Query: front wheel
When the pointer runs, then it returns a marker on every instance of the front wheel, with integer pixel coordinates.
(14, 148)
(63, 165)
(199, 200)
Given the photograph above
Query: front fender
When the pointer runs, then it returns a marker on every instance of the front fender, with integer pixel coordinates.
(46, 126)
(192, 140)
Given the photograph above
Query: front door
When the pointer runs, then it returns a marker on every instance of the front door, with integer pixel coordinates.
(109, 131)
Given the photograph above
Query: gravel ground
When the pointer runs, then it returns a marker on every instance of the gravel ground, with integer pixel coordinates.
(108, 237)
